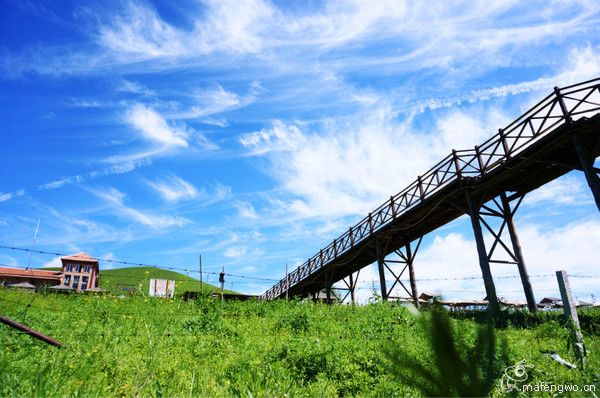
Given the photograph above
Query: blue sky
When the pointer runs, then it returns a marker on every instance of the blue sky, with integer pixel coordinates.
(254, 132)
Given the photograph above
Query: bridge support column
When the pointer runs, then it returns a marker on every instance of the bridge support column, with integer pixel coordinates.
(484, 263)
(381, 267)
(586, 159)
(508, 215)
(406, 255)
(350, 283)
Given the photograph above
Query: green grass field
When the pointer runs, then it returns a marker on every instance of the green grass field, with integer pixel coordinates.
(136, 279)
(123, 280)
(140, 346)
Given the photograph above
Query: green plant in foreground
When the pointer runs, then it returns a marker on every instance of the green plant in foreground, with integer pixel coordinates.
(458, 368)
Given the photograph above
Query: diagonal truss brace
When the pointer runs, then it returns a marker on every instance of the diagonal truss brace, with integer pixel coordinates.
(502, 251)
(592, 174)
(397, 268)
(349, 287)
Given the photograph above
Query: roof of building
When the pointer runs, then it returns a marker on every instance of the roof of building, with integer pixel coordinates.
(82, 257)
(550, 300)
(428, 295)
(29, 273)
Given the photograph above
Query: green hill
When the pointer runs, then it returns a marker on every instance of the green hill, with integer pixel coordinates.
(124, 280)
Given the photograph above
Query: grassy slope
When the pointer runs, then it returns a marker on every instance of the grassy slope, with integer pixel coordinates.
(151, 347)
(113, 280)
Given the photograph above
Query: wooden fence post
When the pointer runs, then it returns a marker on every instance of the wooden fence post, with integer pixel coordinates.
(569, 308)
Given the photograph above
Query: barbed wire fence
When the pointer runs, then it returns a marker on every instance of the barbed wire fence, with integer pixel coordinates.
(244, 280)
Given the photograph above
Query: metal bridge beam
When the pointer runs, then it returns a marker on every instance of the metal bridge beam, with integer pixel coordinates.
(484, 262)
(586, 159)
(381, 267)
(406, 255)
(411, 272)
(349, 288)
(508, 214)
(502, 210)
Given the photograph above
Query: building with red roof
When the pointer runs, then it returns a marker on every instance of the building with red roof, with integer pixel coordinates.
(79, 272)
(36, 277)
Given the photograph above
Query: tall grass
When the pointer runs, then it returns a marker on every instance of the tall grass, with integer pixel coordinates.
(139, 346)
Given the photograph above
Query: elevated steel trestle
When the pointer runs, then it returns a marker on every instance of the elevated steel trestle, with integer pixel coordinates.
(559, 134)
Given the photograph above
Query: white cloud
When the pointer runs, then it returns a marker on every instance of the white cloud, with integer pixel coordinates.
(122, 168)
(108, 264)
(234, 26)
(156, 221)
(4, 197)
(295, 39)
(140, 33)
(349, 166)
(155, 128)
(221, 191)
(279, 137)
(246, 210)
(174, 189)
(454, 30)
(54, 263)
(8, 261)
(565, 190)
(163, 137)
(207, 102)
(129, 86)
(235, 252)
(72, 231)
(573, 247)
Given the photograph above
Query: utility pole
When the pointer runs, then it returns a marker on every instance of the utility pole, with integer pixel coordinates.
(287, 283)
(222, 280)
(201, 283)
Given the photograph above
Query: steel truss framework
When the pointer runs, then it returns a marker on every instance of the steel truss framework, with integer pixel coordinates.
(396, 267)
(349, 287)
(528, 153)
(497, 219)
(587, 159)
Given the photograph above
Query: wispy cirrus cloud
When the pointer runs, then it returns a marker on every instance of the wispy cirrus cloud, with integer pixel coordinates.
(116, 199)
(121, 168)
(163, 138)
(174, 189)
(128, 86)
(259, 31)
(246, 210)
(278, 138)
(4, 197)
(154, 128)
(217, 100)
(566, 190)
(359, 161)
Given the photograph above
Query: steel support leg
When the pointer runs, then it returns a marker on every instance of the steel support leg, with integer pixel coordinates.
(352, 287)
(381, 267)
(349, 287)
(484, 263)
(508, 214)
(411, 273)
(406, 256)
(587, 163)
